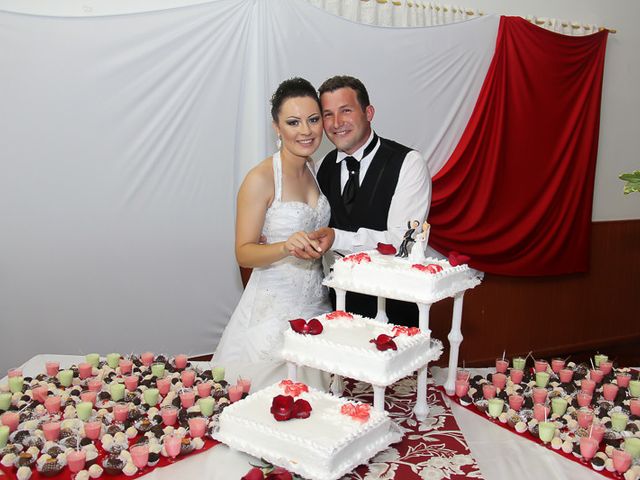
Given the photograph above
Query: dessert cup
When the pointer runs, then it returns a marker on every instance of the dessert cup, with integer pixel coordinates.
(596, 375)
(164, 385)
(11, 420)
(187, 398)
(609, 391)
(207, 405)
(180, 361)
(204, 389)
(113, 359)
(93, 429)
(131, 382)
(515, 402)
(585, 417)
(519, 363)
(93, 359)
(140, 456)
(496, 405)
(499, 380)
(147, 358)
(121, 412)
(52, 368)
(559, 405)
(462, 387)
(187, 377)
(516, 375)
(588, 447)
(501, 365)
(557, 364)
(39, 394)
(169, 415)
(125, 366)
(619, 421)
(15, 384)
(599, 358)
(539, 395)
(85, 370)
(565, 375)
(157, 370)
(632, 445)
(150, 396)
(4, 435)
(235, 393)
(94, 385)
(541, 365)
(597, 431)
(218, 374)
(197, 427)
(546, 431)
(5, 400)
(172, 445)
(606, 367)
(540, 412)
(52, 404)
(542, 379)
(245, 384)
(51, 431)
(117, 391)
(76, 460)
(621, 460)
(89, 396)
(623, 379)
(587, 385)
(634, 388)
(634, 406)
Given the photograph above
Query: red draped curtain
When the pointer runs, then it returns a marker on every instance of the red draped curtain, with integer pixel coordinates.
(516, 194)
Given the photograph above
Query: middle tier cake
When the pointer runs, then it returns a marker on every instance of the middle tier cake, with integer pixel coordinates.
(345, 347)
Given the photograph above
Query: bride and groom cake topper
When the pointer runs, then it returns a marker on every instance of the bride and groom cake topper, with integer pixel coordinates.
(414, 240)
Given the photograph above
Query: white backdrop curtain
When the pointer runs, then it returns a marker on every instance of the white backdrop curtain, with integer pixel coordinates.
(123, 140)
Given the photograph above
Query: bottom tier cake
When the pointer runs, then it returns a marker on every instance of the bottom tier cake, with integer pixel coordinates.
(337, 436)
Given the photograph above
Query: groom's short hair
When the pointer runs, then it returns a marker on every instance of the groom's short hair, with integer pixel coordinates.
(345, 81)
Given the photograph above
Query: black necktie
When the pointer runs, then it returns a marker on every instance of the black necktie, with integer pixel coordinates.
(350, 191)
(353, 183)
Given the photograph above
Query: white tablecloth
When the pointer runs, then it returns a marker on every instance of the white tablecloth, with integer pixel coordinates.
(500, 454)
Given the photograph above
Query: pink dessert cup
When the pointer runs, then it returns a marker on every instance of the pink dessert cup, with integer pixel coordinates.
(94, 385)
(52, 368)
(204, 389)
(540, 412)
(621, 460)
(609, 391)
(516, 375)
(164, 385)
(539, 395)
(93, 429)
(462, 387)
(597, 431)
(235, 393)
(187, 398)
(499, 380)
(147, 358)
(515, 402)
(502, 365)
(180, 361)
(634, 406)
(541, 365)
(587, 385)
(187, 377)
(557, 364)
(131, 382)
(623, 379)
(596, 375)
(140, 456)
(584, 398)
(606, 367)
(125, 366)
(566, 375)
(197, 427)
(85, 370)
(585, 417)
(588, 447)
(11, 420)
(89, 396)
(52, 404)
(51, 431)
(169, 415)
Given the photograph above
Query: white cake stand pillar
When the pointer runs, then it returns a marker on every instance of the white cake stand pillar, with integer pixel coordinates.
(337, 385)
(381, 314)
(421, 408)
(341, 299)
(423, 318)
(292, 371)
(455, 339)
(378, 398)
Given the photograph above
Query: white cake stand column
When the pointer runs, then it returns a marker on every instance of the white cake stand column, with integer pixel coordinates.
(341, 299)
(337, 385)
(381, 314)
(378, 398)
(455, 339)
(421, 408)
(292, 371)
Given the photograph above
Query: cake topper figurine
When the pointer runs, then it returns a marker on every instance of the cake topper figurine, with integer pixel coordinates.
(407, 240)
(417, 254)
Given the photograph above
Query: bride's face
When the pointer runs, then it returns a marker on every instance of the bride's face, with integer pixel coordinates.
(300, 126)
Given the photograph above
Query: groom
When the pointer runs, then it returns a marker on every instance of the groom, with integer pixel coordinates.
(374, 187)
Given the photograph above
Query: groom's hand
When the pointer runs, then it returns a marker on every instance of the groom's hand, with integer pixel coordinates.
(325, 237)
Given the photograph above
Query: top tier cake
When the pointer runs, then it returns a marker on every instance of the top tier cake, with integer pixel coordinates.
(388, 276)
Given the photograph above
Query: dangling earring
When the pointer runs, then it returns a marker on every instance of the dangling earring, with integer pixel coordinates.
(279, 142)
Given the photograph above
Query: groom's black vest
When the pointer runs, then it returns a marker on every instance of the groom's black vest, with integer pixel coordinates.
(376, 189)
(370, 211)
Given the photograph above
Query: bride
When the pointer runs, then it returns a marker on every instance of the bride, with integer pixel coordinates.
(280, 200)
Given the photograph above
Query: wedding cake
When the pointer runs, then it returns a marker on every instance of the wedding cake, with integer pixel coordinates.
(350, 345)
(330, 439)
(389, 276)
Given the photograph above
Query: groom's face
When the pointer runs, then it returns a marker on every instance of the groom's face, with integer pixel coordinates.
(346, 124)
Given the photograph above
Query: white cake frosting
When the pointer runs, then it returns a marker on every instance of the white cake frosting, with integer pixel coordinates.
(389, 276)
(324, 446)
(344, 348)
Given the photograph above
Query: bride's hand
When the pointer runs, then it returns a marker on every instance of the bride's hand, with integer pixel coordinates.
(300, 241)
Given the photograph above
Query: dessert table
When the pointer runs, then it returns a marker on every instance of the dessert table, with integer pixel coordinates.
(499, 453)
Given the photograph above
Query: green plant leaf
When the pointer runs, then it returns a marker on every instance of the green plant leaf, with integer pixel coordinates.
(632, 181)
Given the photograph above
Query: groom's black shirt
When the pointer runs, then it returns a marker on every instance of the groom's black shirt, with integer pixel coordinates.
(370, 210)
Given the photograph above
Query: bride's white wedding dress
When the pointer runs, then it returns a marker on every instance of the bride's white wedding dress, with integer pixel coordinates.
(290, 288)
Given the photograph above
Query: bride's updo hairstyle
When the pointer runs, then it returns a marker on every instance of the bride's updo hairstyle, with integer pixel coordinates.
(292, 88)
